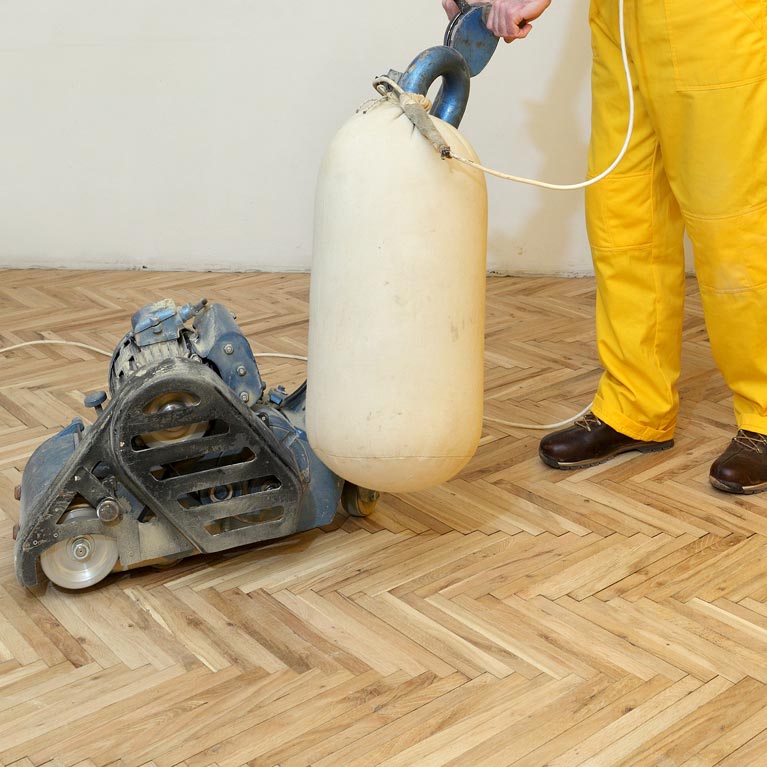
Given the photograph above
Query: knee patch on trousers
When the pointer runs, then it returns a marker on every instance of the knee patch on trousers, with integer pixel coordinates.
(619, 211)
(730, 252)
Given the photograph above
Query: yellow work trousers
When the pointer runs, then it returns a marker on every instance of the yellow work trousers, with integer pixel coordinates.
(697, 162)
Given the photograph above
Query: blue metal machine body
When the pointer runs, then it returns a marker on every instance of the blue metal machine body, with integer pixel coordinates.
(247, 475)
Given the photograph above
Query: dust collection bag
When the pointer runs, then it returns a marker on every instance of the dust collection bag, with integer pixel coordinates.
(397, 308)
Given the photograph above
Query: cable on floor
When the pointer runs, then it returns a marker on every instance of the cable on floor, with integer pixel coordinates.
(530, 426)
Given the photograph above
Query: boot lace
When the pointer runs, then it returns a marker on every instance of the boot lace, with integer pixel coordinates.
(587, 421)
(751, 441)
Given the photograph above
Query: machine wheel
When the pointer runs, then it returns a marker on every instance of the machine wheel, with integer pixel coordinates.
(81, 561)
(169, 402)
(359, 501)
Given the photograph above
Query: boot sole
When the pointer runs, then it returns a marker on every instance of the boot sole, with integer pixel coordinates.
(731, 487)
(650, 447)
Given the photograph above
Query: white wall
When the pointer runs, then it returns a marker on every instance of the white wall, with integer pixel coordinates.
(186, 134)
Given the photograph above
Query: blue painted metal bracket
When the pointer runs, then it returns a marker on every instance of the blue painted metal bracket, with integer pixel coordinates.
(468, 47)
(469, 35)
(448, 64)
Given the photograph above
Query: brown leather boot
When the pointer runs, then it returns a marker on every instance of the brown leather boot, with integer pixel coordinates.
(589, 442)
(742, 468)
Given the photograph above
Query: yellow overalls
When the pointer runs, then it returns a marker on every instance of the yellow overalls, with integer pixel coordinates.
(698, 160)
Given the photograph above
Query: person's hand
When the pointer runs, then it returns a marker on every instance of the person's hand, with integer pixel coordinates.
(510, 19)
(451, 9)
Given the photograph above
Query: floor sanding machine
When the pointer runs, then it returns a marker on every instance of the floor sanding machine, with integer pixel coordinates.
(191, 452)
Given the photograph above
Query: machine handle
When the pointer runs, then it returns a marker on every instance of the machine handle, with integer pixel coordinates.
(450, 65)
(469, 35)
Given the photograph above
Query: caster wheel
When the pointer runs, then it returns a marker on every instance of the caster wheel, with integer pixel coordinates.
(359, 501)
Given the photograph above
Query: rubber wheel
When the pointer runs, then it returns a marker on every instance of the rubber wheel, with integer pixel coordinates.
(359, 501)
(81, 561)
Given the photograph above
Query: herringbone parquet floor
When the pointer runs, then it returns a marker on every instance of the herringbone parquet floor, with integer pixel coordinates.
(515, 616)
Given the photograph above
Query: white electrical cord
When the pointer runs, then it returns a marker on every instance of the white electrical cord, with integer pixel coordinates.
(109, 354)
(621, 154)
(571, 187)
(292, 357)
(283, 356)
(540, 427)
(385, 81)
(59, 343)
